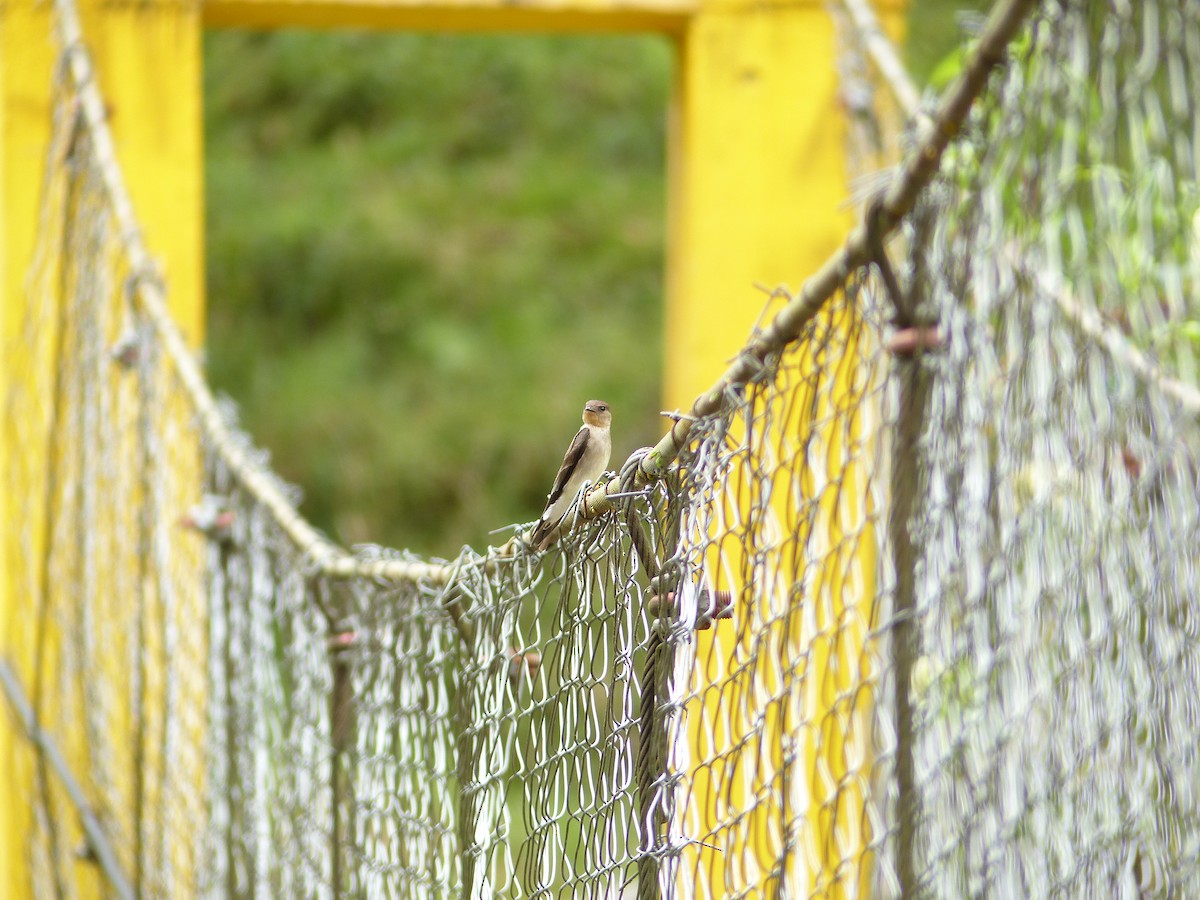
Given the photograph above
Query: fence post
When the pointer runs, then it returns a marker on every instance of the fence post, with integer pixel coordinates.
(912, 337)
(342, 728)
(651, 762)
(905, 471)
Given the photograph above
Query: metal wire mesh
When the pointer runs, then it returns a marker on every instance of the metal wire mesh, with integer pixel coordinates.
(912, 614)
(1057, 522)
(112, 611)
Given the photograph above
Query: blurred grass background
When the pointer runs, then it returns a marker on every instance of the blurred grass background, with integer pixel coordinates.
(425, 252)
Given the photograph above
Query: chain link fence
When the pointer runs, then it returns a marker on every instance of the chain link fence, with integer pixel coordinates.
(905, 607)
(1057, 522)
(109, 611)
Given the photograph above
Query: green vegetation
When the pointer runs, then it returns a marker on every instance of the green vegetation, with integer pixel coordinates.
(426, 252)
(936, 32)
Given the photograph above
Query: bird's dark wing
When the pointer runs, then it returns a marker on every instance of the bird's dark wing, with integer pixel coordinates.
(569, 463)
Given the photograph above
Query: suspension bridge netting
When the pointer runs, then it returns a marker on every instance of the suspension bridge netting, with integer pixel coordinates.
(906, 606)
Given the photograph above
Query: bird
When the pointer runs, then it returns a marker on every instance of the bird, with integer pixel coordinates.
(585, 461)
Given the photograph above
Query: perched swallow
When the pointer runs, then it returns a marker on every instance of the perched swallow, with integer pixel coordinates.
(585, 461)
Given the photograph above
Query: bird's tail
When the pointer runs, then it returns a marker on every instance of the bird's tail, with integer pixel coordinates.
(539, 538)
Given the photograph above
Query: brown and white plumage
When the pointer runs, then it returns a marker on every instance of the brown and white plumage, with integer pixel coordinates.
(585, 461)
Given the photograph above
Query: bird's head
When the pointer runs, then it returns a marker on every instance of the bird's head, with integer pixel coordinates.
(597, 413)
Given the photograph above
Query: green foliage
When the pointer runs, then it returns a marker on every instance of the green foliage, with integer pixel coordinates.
(425, 253)
(935, 38)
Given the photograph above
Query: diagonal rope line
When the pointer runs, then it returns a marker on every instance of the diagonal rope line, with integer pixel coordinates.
(1103, 335)
(883, 53)
(97, 841)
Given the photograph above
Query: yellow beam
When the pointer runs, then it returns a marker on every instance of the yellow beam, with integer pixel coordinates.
(557, 16)
(146, 56)
(757, 174)
(498, 16)
(26, 59)
(758, 179)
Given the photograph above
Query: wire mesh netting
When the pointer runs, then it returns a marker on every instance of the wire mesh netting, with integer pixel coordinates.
(1057, 520)
(111, 611)
(912, 613)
